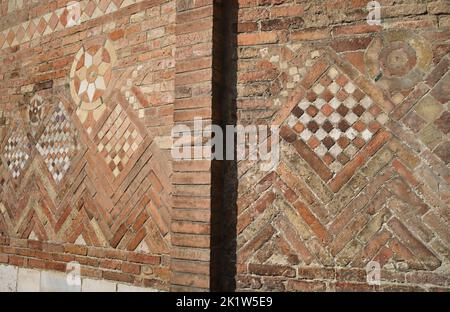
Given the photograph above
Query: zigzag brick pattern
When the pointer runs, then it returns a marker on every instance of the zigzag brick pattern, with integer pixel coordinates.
(86, 172)
(75, 187)
(363, 173)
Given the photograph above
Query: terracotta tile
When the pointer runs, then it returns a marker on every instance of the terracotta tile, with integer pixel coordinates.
(311, 96)
(313, 142)
(312, 111)
(327, 110)
(343, 125)
(374, 126)
(20, 34)
(41, 26)
(103, 5)
(328, 126)
(90, 8)
(328, 142)
(343, 142)
(53, 21)
(325, 81)
(298, 112)
(359, 110)
(31, 29)
(342, 80)
(328, 159)
(358, 95)
(327, 95)
(343, 159)
(313, 126)
(342, 95)
(359, 142)
(342, 110)
(299, 127)
(10, 38)
(2, 40)
(359, 126)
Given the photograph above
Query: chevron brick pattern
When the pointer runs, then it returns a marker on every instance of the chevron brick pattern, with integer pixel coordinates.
(89, 99)
(86, 211)
(363, 173)
(98, 194)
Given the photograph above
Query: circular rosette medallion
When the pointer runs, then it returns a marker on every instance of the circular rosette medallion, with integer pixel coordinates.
(398, 60)
(91, 76)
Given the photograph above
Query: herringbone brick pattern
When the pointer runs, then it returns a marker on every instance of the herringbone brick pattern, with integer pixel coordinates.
(63, 196)
(82, 177)
(363, 174)
(87, 109)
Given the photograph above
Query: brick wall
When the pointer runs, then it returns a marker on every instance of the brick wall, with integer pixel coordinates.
(364, 167)
(87, 110)
(191, 225)
(86, 117)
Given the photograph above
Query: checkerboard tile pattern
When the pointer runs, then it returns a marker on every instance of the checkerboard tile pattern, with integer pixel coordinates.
(336, 119)
(58, 20)
(57, 144)
(118, 140)
(131, 92)
(17, 153)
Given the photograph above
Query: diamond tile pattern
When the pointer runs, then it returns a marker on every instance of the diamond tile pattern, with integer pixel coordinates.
(118, 140)
(17, 153)
(336, 119)
(57, 145)
(13, 5)
(57, 20)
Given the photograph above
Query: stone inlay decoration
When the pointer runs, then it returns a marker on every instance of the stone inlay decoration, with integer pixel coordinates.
(332, 122)
(336, 119)
(133, 93)
(397, 61)
(90, 76)
(14, 5)
(118, 140)
(363, 174)
(57, 144)
(35, 112)
(58, 20)
(80, 172)
(17, 153)
(364, 149)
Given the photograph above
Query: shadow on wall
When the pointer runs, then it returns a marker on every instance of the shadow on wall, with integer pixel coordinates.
(225, 182)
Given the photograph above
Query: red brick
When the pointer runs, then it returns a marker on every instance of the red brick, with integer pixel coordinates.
(143, 258)
(303, 286)
(257, 38)
(271, 270)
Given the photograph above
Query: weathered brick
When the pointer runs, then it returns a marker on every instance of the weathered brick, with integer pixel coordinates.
(120, 206)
